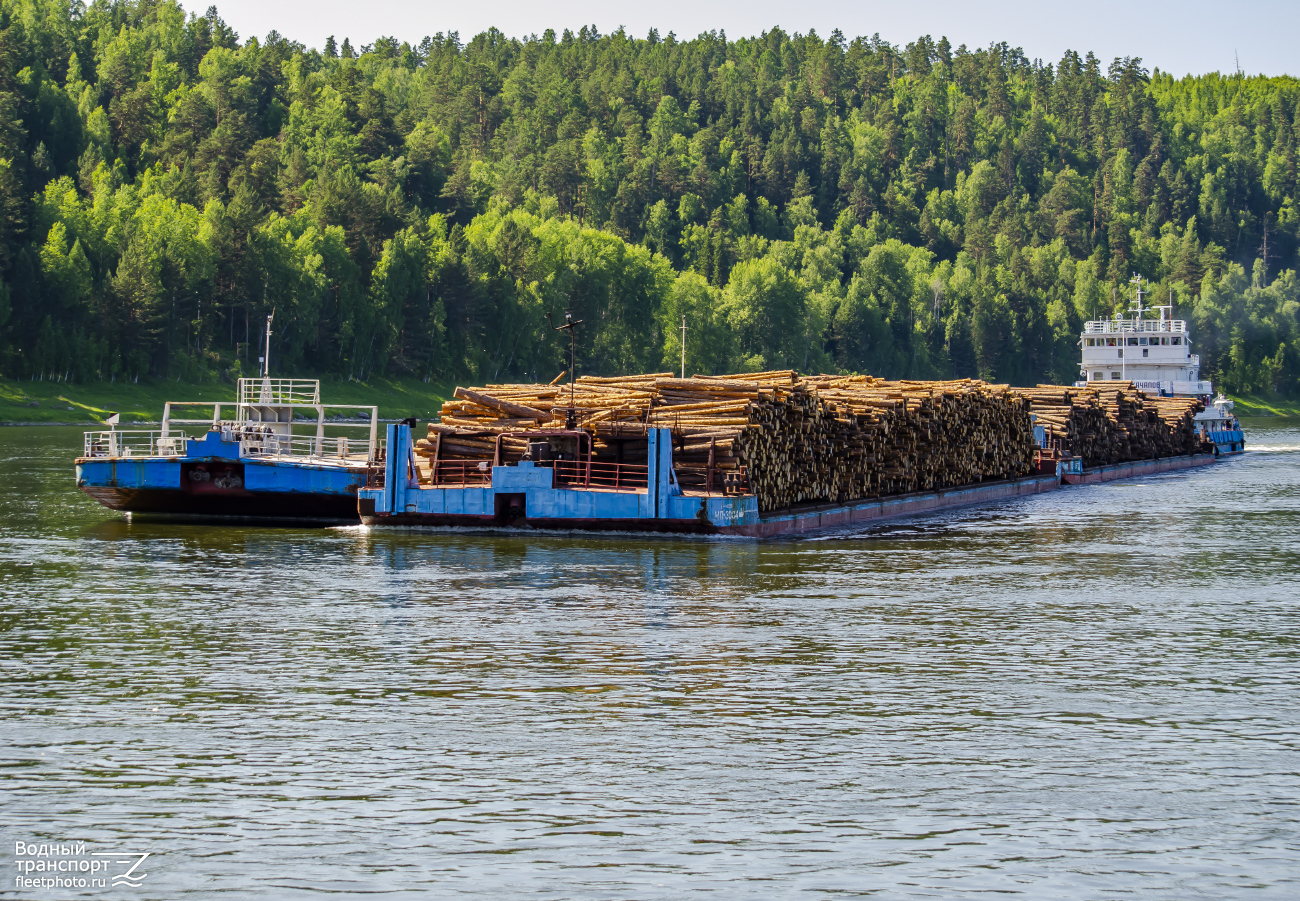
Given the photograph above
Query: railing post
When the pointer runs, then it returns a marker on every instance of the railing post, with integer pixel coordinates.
(708, 488)
(413, 469)
(647, 503)
(391, 463)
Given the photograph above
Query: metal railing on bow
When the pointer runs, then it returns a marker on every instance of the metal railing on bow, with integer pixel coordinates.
(134, 444)
(264, 441)
(279, 392)
(461, 472)
(592, 474)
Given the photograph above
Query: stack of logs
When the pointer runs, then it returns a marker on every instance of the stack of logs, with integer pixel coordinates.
(1114, 422)
(793, 439)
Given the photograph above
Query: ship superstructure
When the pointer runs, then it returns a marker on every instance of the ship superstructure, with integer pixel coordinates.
(1155, 354)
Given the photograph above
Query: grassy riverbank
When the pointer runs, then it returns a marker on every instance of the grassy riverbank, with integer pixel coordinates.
(50, 402)
(1253, 405)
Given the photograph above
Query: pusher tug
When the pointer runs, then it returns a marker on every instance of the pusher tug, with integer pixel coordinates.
(1156, 356)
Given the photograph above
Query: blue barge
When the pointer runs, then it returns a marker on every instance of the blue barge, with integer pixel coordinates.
(542, 496)
(555, 497)
(254, 465)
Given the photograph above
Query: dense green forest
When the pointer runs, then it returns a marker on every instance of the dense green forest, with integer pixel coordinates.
(418, 209)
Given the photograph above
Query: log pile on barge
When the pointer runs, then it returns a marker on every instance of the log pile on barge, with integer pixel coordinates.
(788, 438)
(1114, 422)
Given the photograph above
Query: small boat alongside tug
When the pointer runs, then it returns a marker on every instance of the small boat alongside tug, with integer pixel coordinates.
(1218, 425)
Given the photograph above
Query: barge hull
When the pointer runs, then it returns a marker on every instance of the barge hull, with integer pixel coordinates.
(589, 524)
(1136, 468)
(823, 517)
(282, 506)
(266, 489)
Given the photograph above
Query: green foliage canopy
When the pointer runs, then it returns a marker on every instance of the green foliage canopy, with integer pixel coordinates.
(802, 201)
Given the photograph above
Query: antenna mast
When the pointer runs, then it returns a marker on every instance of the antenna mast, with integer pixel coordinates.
(266, 360)
(1166, 309)
(683, 347)
(571, 419)
(1137, 306)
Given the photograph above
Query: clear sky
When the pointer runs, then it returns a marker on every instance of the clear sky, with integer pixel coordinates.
(1177, 36)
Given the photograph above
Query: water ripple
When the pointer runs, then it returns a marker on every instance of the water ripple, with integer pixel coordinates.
(1084, 694)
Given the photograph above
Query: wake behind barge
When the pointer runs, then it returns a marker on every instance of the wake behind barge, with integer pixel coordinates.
(586, 495)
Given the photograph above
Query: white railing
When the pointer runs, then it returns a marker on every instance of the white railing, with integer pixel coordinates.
(212, 422)
(319, 448)
(134, 444)
(252, 421)
(266, 415)
(1117, 326)
(254, 441)
(279, 392)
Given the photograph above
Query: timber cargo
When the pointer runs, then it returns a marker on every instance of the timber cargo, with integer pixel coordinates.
(756, 454)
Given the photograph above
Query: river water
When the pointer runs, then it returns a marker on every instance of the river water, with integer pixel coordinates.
(1086, 694)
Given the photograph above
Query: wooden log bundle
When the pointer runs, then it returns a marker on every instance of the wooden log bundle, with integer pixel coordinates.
(796, 439)
(1114, 422)
(803, 439)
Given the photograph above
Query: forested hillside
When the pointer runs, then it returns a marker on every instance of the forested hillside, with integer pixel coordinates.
(822, 203)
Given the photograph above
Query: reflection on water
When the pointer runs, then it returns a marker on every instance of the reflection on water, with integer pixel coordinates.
(1073, 695)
